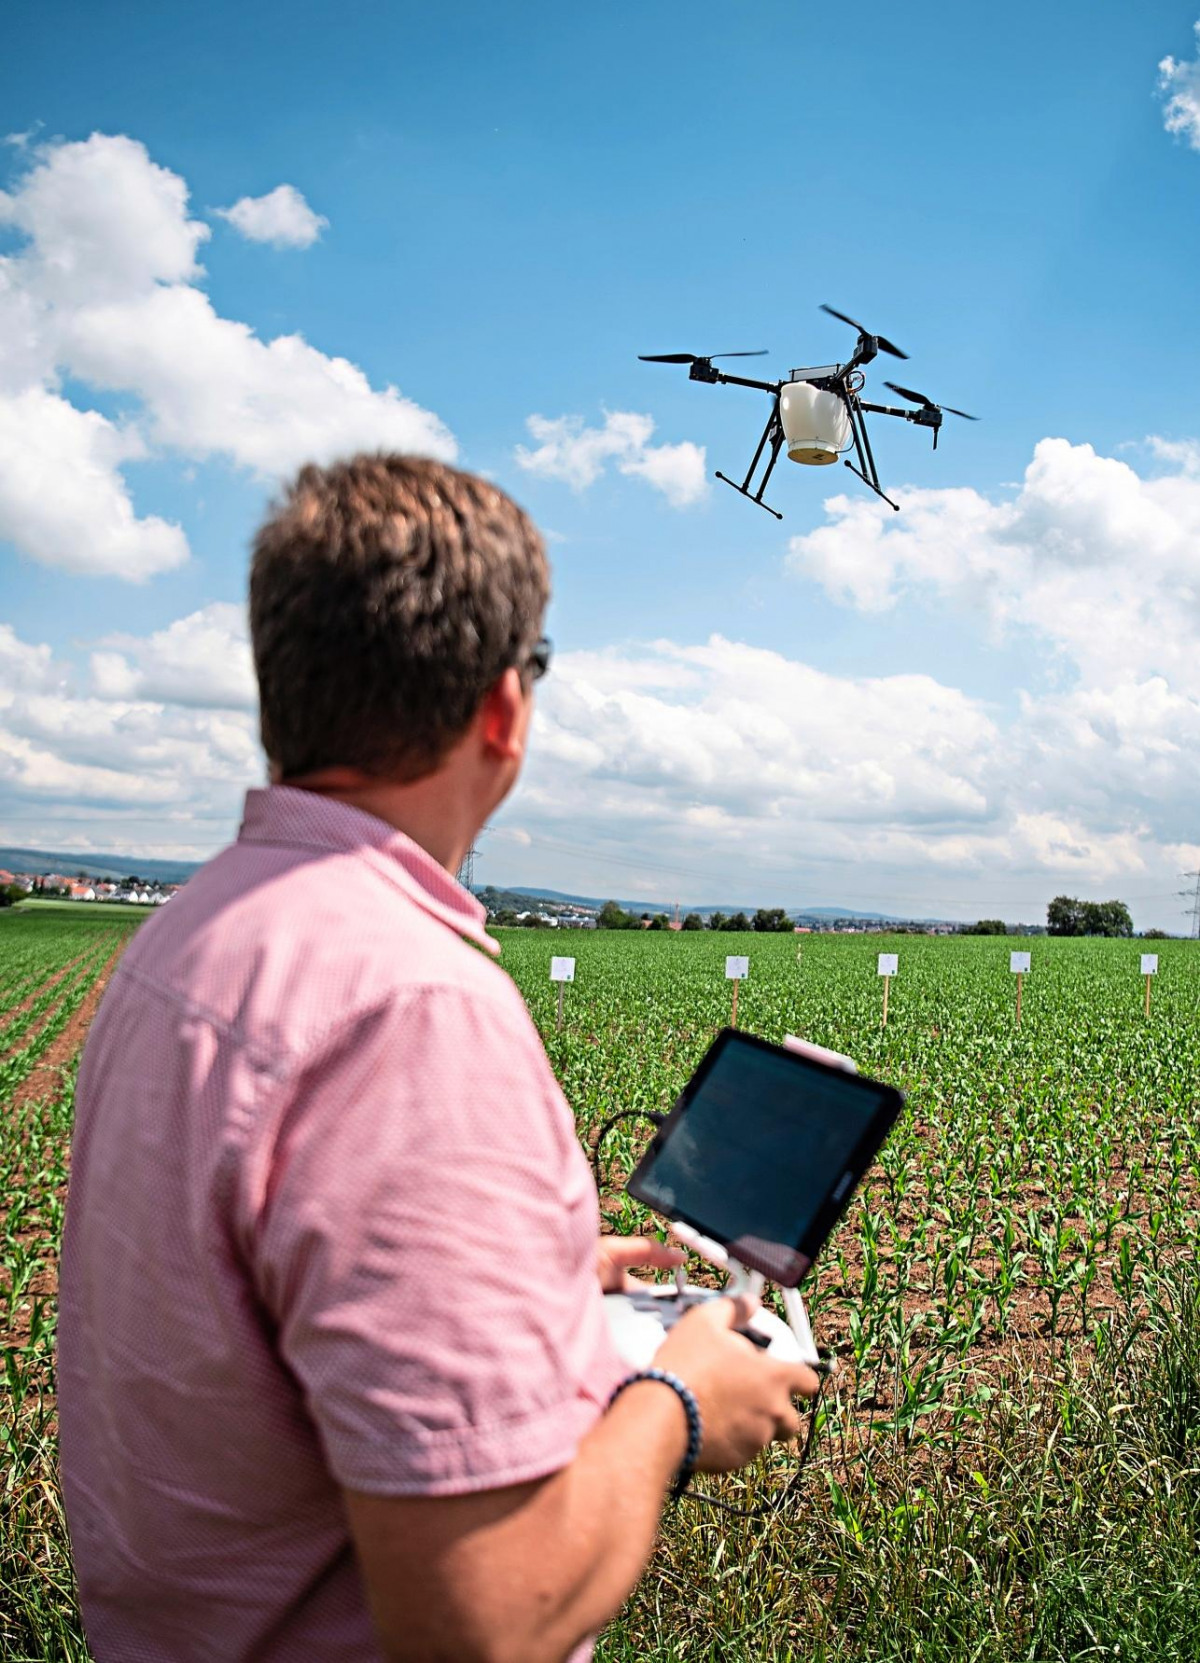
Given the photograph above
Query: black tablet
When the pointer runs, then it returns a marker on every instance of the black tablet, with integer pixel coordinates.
(763, 1151)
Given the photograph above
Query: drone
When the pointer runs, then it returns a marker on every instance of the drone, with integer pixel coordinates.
(818, 412)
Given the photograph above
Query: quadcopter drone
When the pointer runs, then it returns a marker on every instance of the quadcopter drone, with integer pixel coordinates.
(817, 412)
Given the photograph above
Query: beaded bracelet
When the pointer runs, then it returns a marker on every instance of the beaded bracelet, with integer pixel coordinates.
(691, 1408)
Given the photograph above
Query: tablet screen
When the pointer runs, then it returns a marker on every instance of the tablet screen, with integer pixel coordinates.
(764, 1150)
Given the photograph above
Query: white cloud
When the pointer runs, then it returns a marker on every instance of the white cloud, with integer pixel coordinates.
(202, 660)
(569, 450)
(63, 500)
(1179, 85)
(282, 218)
(119, 767)
(210, 387)
(103, 291)
(723, 757)
(1099, 561)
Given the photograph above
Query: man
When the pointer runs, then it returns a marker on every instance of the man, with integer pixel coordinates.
(334, 1368)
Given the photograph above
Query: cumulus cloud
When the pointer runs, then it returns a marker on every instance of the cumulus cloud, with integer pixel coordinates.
(569, 450)
(149, 758)
(282, 218)
(63, 499)
(1094, 557)
(103, 289)
(732, 771)
(1179, 87)
(721, 756)
(202, 660)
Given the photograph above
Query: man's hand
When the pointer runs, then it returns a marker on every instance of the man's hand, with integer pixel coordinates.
(618, 1255)
(745, 1397)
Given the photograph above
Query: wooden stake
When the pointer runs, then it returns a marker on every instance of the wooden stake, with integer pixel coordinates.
(887, 982)
(1020, 979)
(1148, 981)
(561, 989)
(733, 1018)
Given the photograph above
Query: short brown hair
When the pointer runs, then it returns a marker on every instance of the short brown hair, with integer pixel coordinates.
(387, 595)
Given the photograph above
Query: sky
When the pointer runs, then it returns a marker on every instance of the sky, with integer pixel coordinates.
(235, 239)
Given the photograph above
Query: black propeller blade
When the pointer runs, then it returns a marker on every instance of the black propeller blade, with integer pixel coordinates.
(884, 344)
(927, 403)
(694, 357)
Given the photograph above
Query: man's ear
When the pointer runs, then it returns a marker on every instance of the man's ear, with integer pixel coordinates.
(503, 718)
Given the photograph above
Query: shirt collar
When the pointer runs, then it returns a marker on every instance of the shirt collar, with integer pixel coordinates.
(283, 815)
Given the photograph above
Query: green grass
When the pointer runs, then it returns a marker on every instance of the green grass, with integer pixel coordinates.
(1008, 1466)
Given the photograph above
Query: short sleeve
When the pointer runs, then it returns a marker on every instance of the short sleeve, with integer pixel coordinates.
(426, 1247)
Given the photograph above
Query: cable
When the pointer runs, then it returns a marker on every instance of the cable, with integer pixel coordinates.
(769, 1509)
(606, 1127)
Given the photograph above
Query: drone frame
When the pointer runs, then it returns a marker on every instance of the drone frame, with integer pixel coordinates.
(845, 383)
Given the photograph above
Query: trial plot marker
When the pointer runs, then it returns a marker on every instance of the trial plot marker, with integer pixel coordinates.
(736, 970)
(889, 964)
(1149, 968)
(1018, 964)
(561, 971)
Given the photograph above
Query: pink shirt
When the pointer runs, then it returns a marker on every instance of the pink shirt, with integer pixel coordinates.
(329, 1225)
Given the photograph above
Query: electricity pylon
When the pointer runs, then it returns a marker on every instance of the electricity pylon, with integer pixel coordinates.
(1193, 895)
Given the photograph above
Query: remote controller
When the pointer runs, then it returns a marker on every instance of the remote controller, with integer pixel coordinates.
(641, 1318)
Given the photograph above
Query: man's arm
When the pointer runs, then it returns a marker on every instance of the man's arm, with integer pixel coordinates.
(523, 1574)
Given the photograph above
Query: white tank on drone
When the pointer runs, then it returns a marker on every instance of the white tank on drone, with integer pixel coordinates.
(815, 424)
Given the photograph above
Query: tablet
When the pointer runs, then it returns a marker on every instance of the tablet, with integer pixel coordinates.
(763, 1151)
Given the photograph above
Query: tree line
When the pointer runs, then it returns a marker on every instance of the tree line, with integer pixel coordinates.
(767, 920)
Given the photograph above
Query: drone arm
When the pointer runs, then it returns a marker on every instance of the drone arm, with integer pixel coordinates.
(771, 387)
(889, 410)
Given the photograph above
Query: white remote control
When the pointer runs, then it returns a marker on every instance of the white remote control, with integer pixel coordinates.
(640, 1319)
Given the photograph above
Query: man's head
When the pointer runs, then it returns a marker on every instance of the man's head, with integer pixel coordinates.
(396, 606)
(388, 594)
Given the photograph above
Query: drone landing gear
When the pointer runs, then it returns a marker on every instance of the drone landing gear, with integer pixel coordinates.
(870, 484)
(866, 469)
(772, 434)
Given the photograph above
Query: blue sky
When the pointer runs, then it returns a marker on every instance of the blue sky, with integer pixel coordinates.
(963, 708)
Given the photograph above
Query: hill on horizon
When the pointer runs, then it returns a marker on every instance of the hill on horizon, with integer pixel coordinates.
(71, 861)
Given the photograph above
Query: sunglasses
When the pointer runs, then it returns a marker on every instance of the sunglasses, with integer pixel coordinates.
(538, 661)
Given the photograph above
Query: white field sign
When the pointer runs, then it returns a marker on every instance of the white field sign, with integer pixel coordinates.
(1149, 968)
(1018, 964)
(736, 970)
(562, 971)
(889, 964)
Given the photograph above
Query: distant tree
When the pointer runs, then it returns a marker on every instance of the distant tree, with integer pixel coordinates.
(1067, 916)
(1157, 935)
(771, 920)
(739, 921)
(660, 921)
(693, 921)
(717, 921)
(1064, 916)
(1107, 918)
(613, 917)
(987, 926)
(505, 915)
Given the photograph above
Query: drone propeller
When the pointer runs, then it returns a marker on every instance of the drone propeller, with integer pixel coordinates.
(884, 344)
(693, 357)
(927, 403)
